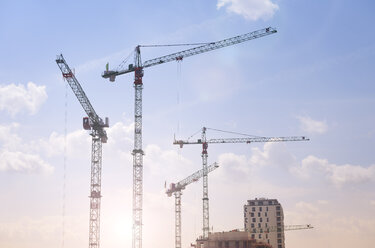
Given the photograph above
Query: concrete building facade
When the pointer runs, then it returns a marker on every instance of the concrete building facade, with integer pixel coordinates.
(264, 219)
(232, 239)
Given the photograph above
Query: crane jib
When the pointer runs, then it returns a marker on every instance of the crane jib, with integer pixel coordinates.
(111, 74)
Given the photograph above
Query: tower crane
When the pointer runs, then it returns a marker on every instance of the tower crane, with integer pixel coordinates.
(176, 189)
(94, 123)
(137, 68)
(204, 142)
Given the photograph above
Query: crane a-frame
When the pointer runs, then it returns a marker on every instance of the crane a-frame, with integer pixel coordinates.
(94, 123)
(137, 68)
(204, 142)
(176, 189)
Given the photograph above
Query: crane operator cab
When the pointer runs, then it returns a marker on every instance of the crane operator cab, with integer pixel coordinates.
(86, 123)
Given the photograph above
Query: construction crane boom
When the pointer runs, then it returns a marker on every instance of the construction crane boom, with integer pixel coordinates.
(242, 140)
(193, 51)
(176, 189)
(190, 179)
(99, 136)
(138, 153)
(279, 228)
(96, 122)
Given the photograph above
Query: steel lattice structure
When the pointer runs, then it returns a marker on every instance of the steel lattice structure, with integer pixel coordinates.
(99, 136)
(137, 68)
(137, 155)
(204, 142)
(278, 228)
(176, 189)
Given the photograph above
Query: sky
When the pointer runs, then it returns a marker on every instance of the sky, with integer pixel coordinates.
(313, 78)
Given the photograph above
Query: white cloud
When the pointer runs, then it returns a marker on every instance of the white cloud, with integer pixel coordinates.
(18, 98)
(307, 207)
(16, 155)
(43, 231)
(312, 126)
(20, 162)
(250, 9)
(338, 175)
(311, 168)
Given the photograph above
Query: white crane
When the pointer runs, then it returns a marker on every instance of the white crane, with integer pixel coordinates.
(176, 189)
(204, 142)
(95, 123)
(137, 68)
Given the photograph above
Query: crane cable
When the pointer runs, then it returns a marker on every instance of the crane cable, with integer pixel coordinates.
(243, 134)
(122, 64)
(64, 167)
(182, 44)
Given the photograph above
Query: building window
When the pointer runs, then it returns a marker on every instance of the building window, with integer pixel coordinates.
(253, 220)
(245, 220)
(260, 236)
(244, 244)
(279, 246)
(260, 203)
(279, 235)
(266, 235)
(278, 218)
(279, 241)
(266, 224)
(237, 244)
(260, 220)
(278, 224)
(258, 214)
(266, 208)
(252, 214)
(253, 236)
(220, 244)
(245, 209)
(226, 244)
(260, 209)
(268, 241)
(265, 214)
(277, 207)
(278, 214)
(259, 225)
(252, 225)
(268, 219)
(253, 209)
(269, 202)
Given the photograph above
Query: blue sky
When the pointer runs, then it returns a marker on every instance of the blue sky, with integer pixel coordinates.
(314, 78)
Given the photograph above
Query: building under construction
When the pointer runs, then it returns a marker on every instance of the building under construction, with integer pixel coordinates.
(232, 239)
(264, 218)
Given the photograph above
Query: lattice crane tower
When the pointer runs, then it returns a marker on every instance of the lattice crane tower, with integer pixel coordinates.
(176, 189)
(95, 123)
(137, 68)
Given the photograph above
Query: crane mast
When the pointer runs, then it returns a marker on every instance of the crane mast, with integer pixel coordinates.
(204, 142)
(137, 154)
(99, 136)
(137, 68)
(176, 189)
